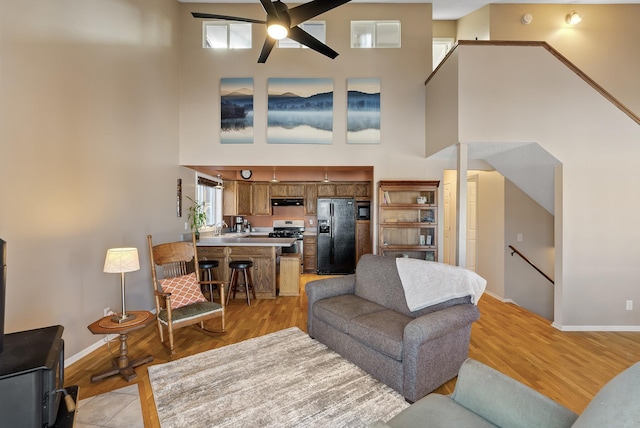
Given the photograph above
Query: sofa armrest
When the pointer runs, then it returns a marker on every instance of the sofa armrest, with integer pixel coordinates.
(325, 288)
(330, 287)
(506, 402)
(438, 324)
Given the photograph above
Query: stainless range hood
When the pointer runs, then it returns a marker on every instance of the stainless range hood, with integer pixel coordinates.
(287, 202)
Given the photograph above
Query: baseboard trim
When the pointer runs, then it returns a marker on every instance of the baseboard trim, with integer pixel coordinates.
(610, 328)
(86, 351)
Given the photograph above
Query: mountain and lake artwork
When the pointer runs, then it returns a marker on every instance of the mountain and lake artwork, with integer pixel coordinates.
(363, 111)
(300, 111)
(236, 110)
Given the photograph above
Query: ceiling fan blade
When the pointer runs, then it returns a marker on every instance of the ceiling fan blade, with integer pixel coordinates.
(268, 7)
(301, 36)
(226, 17)
(305, 11)
(266, 49)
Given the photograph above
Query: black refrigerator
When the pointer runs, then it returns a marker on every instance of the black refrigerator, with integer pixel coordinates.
(336, 235)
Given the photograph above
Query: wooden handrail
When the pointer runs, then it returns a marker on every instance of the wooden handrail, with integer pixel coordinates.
(514, 251)
(556, 54)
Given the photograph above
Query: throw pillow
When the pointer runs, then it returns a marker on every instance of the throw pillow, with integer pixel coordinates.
(184, 290)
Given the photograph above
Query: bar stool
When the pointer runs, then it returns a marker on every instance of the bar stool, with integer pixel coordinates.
(207, 266)
(236, 267)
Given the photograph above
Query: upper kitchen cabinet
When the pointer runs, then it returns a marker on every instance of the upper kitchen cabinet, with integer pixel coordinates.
(310, 197)
(236, 198)
(260, 198)
(326, 190)
(287, 190)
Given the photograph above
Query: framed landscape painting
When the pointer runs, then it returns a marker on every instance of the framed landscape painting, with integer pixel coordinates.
(300, 111)
(363, 111)
(236, 110)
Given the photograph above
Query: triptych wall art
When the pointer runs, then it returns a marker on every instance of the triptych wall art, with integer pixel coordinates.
(299, 111)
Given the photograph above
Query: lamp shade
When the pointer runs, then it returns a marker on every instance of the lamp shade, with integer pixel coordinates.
(120, 260)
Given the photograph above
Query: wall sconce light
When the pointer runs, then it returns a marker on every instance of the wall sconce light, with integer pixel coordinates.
(572, 18)
(220, 184)
(526, 19)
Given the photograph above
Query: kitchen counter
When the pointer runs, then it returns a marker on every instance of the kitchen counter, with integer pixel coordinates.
(244, 241)
(261, 250)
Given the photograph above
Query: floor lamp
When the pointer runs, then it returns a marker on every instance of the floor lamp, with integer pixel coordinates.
(121, 260)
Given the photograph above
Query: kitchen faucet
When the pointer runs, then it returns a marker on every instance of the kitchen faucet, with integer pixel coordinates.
(217, 228)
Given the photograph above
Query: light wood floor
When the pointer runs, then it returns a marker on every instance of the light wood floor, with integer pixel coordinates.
(567, 367)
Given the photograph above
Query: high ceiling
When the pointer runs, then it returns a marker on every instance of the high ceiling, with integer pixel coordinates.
(444, 9)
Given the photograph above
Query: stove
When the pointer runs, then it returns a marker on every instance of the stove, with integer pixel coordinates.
(288, 229)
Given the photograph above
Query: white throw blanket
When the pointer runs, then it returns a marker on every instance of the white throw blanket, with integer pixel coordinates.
(428, 283)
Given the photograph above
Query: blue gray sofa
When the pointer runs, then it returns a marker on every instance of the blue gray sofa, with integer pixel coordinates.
(486, 398)
(365, 318)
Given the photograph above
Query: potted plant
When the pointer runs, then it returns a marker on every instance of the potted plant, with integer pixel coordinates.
(197, 217)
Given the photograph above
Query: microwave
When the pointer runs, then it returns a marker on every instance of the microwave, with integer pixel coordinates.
(363, 210)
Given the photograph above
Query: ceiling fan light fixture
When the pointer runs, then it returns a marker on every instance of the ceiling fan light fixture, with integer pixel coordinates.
(276, 30)
(572, 18)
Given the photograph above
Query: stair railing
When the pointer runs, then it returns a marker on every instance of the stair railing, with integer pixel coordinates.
(514, 251)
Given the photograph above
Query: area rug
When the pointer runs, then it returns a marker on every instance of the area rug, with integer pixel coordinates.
(283, 379)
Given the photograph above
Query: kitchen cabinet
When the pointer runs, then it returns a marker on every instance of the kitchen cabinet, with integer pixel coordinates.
(310, 245)
(310, 198)
(287, 190)
(362, 191)
(290, 275)
(363, 238)
(407, 218)
(346, 189)
(260, 199)
(236, 198)
(326, 190)
(263, 271)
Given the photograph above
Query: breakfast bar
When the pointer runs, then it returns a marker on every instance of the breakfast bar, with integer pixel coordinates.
(262, 251)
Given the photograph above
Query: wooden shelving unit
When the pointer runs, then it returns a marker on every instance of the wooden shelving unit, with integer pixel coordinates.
(408, 219)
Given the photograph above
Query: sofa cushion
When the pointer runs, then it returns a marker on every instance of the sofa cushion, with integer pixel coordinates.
(382, 331)
(377, 280)
(437, 411)
(616, 404)
(338, 311)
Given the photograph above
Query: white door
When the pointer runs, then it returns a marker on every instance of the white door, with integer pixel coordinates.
(447, 224)
(472, 222)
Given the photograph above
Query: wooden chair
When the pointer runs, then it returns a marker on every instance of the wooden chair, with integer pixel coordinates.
(178, 262)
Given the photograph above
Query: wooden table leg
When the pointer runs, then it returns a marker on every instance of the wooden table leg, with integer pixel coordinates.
(122, 365)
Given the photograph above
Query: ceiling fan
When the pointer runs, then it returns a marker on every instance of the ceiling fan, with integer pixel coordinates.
(283, 22)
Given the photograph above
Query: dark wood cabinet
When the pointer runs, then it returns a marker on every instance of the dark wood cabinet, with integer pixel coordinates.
(363, 238)
(310, 261)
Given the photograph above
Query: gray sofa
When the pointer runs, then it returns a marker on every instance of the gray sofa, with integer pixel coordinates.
(484, 397)
(365, 318)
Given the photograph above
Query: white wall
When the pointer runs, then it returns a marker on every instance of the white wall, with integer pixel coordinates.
(88, 154)
(401, 71)
(533, 97)
(523, 284)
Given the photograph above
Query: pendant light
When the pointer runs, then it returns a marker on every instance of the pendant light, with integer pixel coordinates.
(326, 177)
(220, 184)
(274, 179)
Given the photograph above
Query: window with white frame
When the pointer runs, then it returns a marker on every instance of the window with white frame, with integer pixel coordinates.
(226, 35)
(375, 34)
(441, 47)
(209, 192)
(316, 28)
